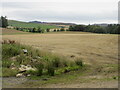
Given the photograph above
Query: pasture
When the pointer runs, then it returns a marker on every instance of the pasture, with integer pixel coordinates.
(98, 51)
(30, 25)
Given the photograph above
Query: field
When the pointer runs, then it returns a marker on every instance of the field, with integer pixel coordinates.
(5, 31)
(98, 51)
(30, 25)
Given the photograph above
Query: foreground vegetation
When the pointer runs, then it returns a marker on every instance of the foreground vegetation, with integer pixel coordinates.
(42, 63)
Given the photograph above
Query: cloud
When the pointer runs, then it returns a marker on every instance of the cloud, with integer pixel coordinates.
(78, 11)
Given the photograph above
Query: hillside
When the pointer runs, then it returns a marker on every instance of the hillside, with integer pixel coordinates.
(11, 31)
(30, 25)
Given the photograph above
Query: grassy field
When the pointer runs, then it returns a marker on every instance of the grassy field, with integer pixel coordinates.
(98, 51)
(5, 31)
(30, 25)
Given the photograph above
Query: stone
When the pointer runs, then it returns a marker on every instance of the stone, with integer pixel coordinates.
(19, 75)
(24, 68)
(28, 75)
(25, 51)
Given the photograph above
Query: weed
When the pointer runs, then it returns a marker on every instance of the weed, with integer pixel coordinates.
(6, 72)
(79, 62)
(40, 68)
(51, 69)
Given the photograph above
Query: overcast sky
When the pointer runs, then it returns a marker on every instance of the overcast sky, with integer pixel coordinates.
(74, 11)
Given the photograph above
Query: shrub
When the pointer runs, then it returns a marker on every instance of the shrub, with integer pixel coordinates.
(10, 50)
(51, 69)
(79, 62)
(6, 63)
(31, 72)
(56, 62)
(40, 68)
(6, 72)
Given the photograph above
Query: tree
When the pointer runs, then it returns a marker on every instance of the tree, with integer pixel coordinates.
(62, 29)
(48, 30)
(71, 28)
(42, 31)
(39, 30)
(34, 30)
(3, 22)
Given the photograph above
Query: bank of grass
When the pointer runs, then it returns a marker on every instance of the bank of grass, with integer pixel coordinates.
(46, 64)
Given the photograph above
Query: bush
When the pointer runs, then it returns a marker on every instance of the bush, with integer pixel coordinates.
(6, 72)
(6, 63)
(32, 72)
(56, 62)
(51, 69)
(11, 50)
(79, 62)
(40, 68)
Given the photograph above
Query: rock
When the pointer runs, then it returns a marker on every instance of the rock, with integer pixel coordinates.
(24, 68)
(25, 51)
(12, 64)
(38, 57)
(13, 68)
(34, 60)
(19, 75)
(28, 75)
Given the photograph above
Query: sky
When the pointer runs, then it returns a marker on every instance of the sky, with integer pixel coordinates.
(71, 11)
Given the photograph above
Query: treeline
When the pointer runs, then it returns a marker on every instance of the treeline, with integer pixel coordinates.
(38, 30)
(33, 30)
(3, 22)
(109, 29)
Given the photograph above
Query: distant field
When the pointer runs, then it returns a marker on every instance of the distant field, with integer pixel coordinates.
(30, 25)
(11, 31)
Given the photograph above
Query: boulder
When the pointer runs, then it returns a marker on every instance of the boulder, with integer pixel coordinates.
(19, 75)
(24, 68)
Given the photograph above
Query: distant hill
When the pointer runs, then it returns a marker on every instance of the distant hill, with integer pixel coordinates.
(103, 25)
(30, 25)
(52, 23)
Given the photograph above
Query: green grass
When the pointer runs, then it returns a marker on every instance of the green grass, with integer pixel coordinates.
(30, 25)
(45, 63)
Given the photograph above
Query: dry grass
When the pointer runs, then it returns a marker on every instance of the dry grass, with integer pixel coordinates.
(11, 31)
(92, 48)
(98, 50)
